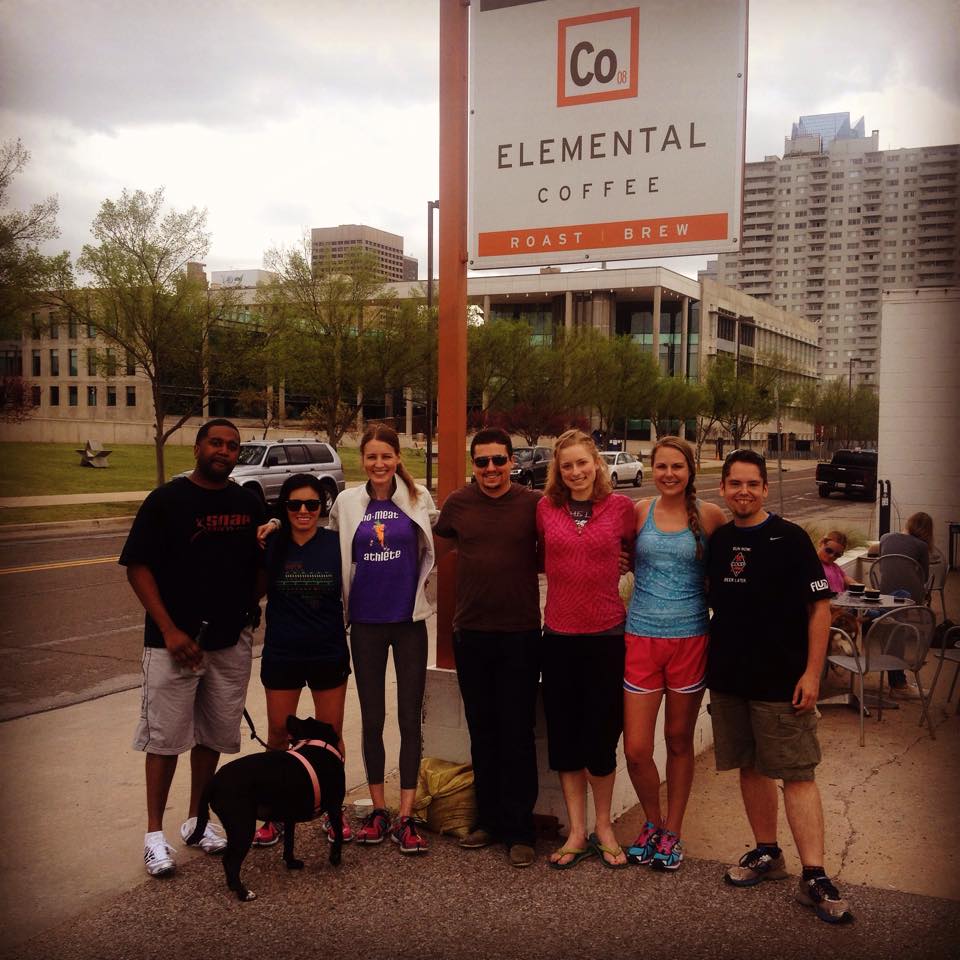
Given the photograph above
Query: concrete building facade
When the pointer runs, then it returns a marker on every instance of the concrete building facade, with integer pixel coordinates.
(835, 222)
(680, 321)
(334, 242)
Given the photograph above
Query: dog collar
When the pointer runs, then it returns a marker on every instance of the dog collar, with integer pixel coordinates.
(308, 766)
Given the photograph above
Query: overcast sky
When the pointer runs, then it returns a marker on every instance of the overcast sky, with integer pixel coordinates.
(290, 114)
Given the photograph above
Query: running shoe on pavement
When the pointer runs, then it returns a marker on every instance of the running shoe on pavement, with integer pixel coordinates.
(404, 832)
(375, 827)
(157, 854)
(754, 867)
(642, 849)
(825, 899)
(347, 830)
(269, 834)
(669, 852)
(212, 841)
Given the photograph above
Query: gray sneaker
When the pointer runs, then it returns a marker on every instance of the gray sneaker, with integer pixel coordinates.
(754, 867)
(825, 899)
(476, 839)
(522, 855)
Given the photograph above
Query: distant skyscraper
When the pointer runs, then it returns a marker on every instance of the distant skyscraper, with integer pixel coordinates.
(835, 222)
(336, 241)
(411, 267)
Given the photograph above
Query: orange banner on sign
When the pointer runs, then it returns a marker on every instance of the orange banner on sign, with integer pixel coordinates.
(598, 236)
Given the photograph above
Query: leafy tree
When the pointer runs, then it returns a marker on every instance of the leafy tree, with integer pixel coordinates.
(675, 399)
(843, 415)
(498, 353)
(741, 399)
(318, 316)
(23, 269)
(141, 297)
(614, 375)
(16, 399)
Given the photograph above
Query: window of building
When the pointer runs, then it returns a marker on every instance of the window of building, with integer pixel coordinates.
(54, 396)
(54, 363)
(111, 396)
(91, 396)
(72, 367)
(91, 331)
(111, 365)
(54, 327)
(35, 363)
(131, 366)
(131, 396)
(91, 362)
(35, 395)
(73, 396)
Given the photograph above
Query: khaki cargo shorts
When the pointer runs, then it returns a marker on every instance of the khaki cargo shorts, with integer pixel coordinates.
(772, 738)
(181, 708)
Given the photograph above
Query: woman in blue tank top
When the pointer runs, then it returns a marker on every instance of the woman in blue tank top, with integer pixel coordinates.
(666, 643)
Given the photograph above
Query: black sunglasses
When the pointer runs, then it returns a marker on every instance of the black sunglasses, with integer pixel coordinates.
(829, 551)
(498, 459)
(294, 505)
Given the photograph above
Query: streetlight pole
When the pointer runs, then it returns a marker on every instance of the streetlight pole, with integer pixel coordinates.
(431, 327)
(853, 360)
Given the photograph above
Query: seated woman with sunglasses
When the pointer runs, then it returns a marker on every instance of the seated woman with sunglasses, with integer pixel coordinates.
(831, 548)
(305, 642)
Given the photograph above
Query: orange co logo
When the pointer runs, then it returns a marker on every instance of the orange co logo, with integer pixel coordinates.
(597, 57)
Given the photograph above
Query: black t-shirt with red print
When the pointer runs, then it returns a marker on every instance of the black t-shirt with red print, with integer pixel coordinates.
(762, 580)
(201, 547)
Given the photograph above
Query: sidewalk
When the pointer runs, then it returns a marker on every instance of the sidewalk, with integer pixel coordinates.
(72, 881)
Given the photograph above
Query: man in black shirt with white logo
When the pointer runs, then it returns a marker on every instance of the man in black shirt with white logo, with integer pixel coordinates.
(192, 558)
(768, 640)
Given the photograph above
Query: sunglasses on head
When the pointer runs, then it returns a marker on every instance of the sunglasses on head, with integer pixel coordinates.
(498, 459)
(294, 505)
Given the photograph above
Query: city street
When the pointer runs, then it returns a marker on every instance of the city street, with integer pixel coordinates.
(72, 628)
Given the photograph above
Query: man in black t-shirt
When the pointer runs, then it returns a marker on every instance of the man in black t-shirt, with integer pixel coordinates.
(191, 558)
(768, 640)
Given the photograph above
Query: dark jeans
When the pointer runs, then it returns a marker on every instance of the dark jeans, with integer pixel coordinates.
(499, 674)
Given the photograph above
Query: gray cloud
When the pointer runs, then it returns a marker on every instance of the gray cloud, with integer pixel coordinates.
(105, 64)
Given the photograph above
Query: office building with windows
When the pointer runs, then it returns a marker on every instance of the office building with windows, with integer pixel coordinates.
(333, 243)
(834, 223)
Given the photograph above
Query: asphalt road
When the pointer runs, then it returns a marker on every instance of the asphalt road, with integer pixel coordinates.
(72, 628)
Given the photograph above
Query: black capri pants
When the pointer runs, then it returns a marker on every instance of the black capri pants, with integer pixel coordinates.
(583, 700)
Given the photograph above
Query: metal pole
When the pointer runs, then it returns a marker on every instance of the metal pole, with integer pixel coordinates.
(431, 206)
(776, 394)
(452, 379)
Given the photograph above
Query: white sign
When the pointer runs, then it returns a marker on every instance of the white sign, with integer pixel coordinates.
(603, 132)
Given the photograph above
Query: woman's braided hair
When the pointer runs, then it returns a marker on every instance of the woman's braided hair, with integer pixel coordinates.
(690, 492)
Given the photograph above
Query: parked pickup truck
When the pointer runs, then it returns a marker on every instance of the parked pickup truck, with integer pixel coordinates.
(853, 472)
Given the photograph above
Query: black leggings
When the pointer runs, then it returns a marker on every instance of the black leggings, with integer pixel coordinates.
(369, 643)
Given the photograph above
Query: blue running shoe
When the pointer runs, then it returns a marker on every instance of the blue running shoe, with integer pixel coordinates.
(669, 852)
(643, 848)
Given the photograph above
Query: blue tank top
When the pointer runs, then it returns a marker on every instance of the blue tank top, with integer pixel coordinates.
(669, 593)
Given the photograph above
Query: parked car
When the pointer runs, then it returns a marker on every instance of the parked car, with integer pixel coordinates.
(852, 472)
(530, 465)
(624, 467)
(263, 465)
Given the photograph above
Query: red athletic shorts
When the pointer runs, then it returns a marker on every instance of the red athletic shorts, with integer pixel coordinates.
(677, 663)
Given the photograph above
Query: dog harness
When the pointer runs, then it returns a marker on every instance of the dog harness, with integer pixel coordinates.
(293, 751)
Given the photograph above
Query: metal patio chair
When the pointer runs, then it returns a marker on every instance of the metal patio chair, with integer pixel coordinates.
(897, 640)
(950, 653)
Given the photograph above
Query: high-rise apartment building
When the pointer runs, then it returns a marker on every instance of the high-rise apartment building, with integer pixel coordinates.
(334, 242)
(835, 222)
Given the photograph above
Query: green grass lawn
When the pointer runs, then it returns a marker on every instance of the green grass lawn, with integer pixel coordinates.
(34, 469)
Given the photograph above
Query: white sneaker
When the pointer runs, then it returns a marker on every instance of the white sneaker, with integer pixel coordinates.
(212, 841)
(909, 692)
(157, 854)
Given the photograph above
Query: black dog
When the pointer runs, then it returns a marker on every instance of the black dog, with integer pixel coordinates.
(284, 786)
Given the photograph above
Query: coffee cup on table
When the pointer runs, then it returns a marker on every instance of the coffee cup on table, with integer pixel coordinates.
(871, 594)
(855, 588)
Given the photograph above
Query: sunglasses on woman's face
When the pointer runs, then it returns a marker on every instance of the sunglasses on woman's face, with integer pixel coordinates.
(828, 550)
(312, 506)
(498, 459)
